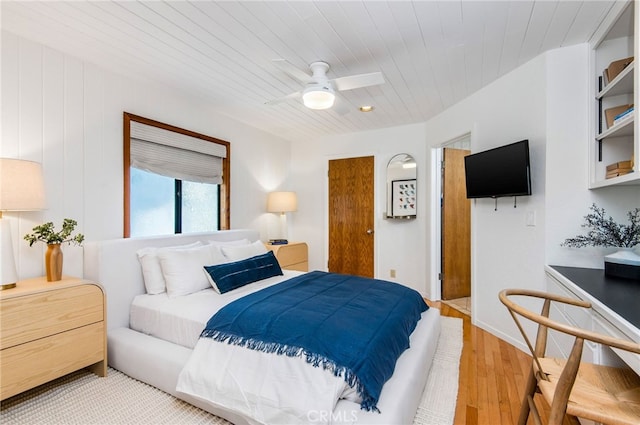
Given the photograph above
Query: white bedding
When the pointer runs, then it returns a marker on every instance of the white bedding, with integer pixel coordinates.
(266, 388)
(242, 388)
(159, 362)
(180, 320)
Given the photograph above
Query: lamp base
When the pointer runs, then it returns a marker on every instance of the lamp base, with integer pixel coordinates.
(7, 286)
(8, 274)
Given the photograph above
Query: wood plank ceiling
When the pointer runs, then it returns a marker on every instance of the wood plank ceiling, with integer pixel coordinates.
(432, 53)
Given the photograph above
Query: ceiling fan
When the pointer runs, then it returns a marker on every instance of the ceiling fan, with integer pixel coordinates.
(319, 91)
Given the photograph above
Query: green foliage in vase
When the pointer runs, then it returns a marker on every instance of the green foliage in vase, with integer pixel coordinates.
(605, 232)
(46, 233)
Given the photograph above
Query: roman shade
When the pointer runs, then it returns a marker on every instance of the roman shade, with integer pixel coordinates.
(176, 155)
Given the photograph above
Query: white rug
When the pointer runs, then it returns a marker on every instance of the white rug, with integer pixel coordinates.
(83, 398)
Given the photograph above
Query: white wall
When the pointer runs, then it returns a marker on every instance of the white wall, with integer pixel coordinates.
(569, 104)
(504, 251)
(504, 112)
(546, 101)
(309, 175)
(67, 114)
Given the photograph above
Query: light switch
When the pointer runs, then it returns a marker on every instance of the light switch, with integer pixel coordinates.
(531, 218)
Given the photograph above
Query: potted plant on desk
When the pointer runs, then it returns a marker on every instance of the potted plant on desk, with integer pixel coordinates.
(605, 232)
(53, 257)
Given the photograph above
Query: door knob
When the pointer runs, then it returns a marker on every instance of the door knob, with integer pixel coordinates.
(369, 231)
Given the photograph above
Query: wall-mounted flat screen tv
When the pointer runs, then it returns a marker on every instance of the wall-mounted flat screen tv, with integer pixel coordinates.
(502, 171)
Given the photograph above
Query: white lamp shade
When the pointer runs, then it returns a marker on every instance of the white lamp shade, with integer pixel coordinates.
(21, 189)
(21, 185)
(281, 202)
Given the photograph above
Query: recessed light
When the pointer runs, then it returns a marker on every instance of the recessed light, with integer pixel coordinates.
(366, 108)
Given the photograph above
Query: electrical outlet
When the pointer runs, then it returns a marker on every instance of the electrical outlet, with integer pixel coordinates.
(392, 273)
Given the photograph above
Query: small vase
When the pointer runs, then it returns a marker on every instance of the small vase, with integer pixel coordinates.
(53, 262)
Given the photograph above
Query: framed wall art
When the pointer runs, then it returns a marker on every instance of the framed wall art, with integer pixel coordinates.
(403, 198)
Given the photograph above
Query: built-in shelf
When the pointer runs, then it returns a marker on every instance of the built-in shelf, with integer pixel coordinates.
(627, 179)
(622, 84)
(622, 129)
(616, 40)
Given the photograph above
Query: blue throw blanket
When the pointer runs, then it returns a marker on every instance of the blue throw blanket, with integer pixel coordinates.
(353, 326)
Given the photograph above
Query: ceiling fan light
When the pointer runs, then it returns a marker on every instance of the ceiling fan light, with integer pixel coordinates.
(318, 97)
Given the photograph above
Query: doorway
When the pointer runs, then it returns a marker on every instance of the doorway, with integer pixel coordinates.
(351, 216)
(455, 226)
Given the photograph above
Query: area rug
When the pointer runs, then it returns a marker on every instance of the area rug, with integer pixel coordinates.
(82, 398)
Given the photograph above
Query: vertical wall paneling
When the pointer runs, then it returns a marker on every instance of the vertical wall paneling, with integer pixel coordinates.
(73, 147)
(53, 129)
(93, 140)
(67, 114)
(111, 161)
(52, 134)
(71, 170)
(30, 104)
(10, 122)
(10, 112)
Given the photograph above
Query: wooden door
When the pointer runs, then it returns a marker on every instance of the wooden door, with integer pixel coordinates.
(456, 227)
(351, 201)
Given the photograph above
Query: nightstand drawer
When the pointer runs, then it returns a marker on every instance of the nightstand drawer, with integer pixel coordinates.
(292, 254)
(34, 363)
(33, 316)
(301, 267)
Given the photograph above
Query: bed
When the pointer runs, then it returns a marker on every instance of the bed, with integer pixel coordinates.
(153, 339)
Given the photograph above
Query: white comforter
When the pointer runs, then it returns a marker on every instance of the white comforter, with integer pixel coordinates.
(268, 388)
(259, 385)
(271, 389)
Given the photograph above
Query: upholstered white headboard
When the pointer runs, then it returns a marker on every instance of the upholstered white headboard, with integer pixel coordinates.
(114, 265)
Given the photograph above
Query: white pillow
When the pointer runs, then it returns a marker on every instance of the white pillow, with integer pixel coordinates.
(241, 252)
(217, 257)
(151, 270)
(183, 269)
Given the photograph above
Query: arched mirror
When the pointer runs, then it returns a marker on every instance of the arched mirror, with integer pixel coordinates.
(401, 187)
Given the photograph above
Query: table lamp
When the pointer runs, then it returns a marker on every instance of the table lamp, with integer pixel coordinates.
(21, 189)
(282, 202)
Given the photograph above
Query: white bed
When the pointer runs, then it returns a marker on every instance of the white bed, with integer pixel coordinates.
(158, 350)
(181, 319)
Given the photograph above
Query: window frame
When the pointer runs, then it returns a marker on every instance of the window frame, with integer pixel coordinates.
(225, 186)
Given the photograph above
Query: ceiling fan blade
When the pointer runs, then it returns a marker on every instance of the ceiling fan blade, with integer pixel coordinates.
(296, 73)
(357, 81)
(284, 98)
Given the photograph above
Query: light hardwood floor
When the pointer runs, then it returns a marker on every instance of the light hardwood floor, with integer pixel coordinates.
(493, 374)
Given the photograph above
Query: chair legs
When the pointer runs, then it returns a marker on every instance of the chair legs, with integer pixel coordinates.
(528, 405)
(529, 392)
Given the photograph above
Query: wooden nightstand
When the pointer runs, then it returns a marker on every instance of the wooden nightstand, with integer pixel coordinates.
(50, 329)
(292, 256)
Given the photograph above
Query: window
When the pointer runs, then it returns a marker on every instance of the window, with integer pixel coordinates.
(175, 180)
(163, 205)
